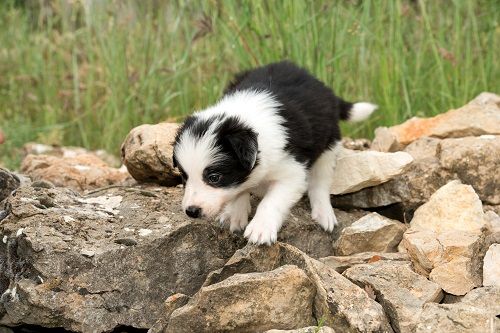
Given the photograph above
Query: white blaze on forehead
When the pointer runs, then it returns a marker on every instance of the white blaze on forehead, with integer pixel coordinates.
(195, 153)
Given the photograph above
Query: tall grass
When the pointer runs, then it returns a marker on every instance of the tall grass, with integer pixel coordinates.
(84, 73)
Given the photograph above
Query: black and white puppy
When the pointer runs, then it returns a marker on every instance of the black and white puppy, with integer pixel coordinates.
(274, 133)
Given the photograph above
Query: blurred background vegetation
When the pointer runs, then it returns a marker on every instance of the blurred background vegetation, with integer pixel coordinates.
(85, 72)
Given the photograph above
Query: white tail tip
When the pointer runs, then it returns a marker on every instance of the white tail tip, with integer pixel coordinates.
(361, 111)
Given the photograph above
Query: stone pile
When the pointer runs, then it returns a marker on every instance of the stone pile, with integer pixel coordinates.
(416, 250)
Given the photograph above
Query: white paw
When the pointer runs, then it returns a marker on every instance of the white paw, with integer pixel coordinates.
(259, 232)
(236, 215)
(238, 221)
(325, 217)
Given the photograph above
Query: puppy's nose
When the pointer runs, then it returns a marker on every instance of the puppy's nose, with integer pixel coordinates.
(193, 211)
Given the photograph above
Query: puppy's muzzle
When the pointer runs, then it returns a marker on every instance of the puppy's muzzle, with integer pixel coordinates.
(193, 211)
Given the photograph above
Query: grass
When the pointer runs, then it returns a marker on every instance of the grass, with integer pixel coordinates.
(76, 75)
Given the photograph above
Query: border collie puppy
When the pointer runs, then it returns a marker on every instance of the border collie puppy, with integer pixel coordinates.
(274, 133)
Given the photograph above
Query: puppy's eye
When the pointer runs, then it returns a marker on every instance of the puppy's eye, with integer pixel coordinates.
(214, 178)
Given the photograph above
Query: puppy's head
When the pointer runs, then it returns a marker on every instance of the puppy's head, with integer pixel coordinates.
(215, 156)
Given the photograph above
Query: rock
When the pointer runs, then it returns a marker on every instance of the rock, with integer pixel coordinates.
(491, 267)
(337, 302)
(357, 170)
(478, 117)
(385, 141)
(454, 206)
(310, 329)
(301, 231)
(252, 302)
(341, 263)
(172, 303)
(372, 232)
(147, 152)
(400, 290)
(446, 238)
(8, 183)
(87, 263)
(355, 144)
(81, 172)
(410, 189)
(48, 277)
(452, 260)
(473, 160)
(477, 312)
(33, 148)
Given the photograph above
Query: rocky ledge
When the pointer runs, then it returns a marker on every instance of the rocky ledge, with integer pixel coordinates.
(85, 248)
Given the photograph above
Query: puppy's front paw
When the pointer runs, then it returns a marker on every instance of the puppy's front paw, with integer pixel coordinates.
(259, 232)
(325, 217)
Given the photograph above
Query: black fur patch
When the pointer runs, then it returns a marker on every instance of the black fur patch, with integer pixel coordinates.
(310, 109)
(238, 155)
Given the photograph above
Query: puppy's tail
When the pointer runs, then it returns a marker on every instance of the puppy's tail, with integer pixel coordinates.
(356, 111)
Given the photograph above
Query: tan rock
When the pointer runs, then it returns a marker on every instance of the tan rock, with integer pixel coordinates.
(357, 170)
(473, 160)
(447, 237)
(451, 259)
(385, 141)
(147, 153)
(477, 312)
(453, 207)
(478, 117)
(341, 263)
(33, 148)
(253, 302)
(81, 172)
(400, 290)
(491, 267)
(372, 232)
(337, 302)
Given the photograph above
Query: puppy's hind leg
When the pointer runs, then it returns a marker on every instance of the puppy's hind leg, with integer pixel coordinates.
(236, 212)
(320, 182)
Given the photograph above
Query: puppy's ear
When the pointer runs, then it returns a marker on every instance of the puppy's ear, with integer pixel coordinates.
(244, 144)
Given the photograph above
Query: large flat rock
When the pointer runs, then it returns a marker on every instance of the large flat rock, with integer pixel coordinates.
(112, 257)
(356, 170)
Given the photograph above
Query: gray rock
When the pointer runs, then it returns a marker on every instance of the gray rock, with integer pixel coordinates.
(372, 232)
(88, 263)
(46, 280)
(400, 290)
(341, 263)
(477, 312)
(337, 302)
(8, 183)
(252, 302)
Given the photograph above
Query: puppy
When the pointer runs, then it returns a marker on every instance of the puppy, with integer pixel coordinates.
(274, 133)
